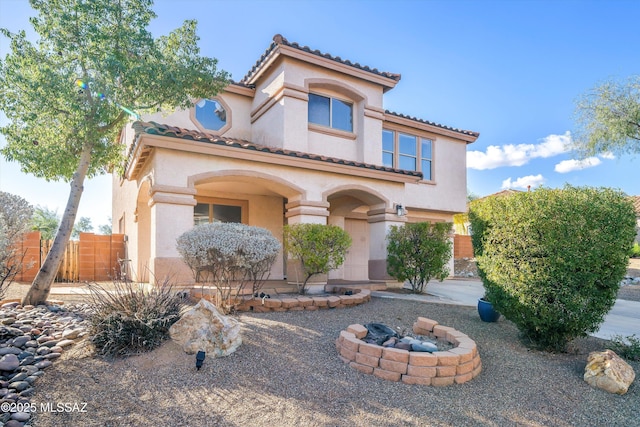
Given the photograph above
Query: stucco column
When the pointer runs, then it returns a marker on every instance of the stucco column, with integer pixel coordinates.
(380, 222)
(305, 212)
(338, 221)
(171, 215)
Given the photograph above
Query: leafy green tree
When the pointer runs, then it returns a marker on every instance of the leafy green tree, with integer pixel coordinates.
(319, 248)
(608, 119)
(46, 221)
(105, 229)
(418, 252)
(551, 260)
(68, 94)
(83, 225)
(15, 218)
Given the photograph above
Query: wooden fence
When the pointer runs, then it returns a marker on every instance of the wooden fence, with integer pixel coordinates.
(91, 258)
(462, 247)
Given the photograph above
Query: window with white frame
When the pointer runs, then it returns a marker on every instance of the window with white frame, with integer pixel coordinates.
(409, 152)
(330, 112)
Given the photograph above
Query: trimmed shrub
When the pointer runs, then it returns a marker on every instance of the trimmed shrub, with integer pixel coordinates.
(15, 218)
(319, 248)
(127, 320)
(418, 252)
(551, 260)
(230, 256)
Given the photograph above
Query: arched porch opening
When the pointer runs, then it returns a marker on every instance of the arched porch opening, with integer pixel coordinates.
(349, 208)
(251, 197)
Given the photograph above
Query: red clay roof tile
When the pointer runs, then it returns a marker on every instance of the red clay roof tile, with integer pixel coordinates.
(153, 128)
(280, 40)
(415, 119)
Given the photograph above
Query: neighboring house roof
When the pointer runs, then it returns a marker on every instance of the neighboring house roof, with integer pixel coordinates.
(507, 192)
(153, 128)
(636, 204)
(427, 122)
(278, 40)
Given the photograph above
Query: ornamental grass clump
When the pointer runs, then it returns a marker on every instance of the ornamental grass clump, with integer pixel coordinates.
(128, 320)
(231, 257)
(418, 252)
(551, 260)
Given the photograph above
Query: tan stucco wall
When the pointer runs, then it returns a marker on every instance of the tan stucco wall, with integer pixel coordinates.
(275, 114)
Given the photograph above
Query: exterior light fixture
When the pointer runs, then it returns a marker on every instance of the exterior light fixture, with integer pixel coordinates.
(400, 211)
(200, 359)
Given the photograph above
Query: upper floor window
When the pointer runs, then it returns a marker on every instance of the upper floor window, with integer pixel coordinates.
(330, 112)
(408, 152)
(211, 114)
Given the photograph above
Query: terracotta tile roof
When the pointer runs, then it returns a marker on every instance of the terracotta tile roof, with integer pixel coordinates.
(462, 131)
(636, 204)
(153, 128)
(278, 40)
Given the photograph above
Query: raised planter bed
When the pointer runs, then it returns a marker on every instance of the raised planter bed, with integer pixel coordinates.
(298, 303)
(455, 366)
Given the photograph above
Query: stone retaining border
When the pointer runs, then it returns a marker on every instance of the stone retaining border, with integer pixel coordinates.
(302, 302)
(456, 366)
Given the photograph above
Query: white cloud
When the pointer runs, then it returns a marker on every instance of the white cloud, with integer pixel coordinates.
(518, 155)
(608, 155)
(566, 166)
(524, 182)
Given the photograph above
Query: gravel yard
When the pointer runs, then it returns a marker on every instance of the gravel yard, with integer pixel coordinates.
(287, 373)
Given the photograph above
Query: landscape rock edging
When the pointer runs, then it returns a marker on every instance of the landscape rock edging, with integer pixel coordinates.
(299, 303)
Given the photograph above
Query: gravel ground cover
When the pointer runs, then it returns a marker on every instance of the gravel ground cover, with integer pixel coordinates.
(287, 373)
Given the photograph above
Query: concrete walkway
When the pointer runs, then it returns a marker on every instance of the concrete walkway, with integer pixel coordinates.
(623, 319)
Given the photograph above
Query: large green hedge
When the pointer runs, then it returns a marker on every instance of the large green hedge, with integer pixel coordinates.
(551, 260)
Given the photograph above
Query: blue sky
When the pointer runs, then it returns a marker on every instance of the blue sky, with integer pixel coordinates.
(511, 70)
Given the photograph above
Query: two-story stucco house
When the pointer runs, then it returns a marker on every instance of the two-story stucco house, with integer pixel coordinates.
(302, 138)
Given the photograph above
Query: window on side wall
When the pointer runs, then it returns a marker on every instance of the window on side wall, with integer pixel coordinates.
(409, 152)
(204, 213)
(331, 112)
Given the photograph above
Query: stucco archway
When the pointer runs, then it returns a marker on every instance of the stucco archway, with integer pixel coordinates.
(140, 245)
(261, 197)
(349, 207)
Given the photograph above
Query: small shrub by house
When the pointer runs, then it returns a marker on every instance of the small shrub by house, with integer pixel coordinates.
(319, 248)
(230, 256)
(419, 252)
(551, 259)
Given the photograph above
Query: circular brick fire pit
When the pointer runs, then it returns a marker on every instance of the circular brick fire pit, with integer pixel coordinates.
(455, 366)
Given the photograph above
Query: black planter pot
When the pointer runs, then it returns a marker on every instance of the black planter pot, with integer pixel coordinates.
(486, 311)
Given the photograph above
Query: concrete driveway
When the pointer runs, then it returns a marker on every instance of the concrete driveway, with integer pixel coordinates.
(623, 319)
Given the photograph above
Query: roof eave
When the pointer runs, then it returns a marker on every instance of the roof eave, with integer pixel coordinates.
(280, 50)
(467, 136)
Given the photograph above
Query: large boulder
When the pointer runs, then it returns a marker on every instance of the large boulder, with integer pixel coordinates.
(204, 328)
(606, 370)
